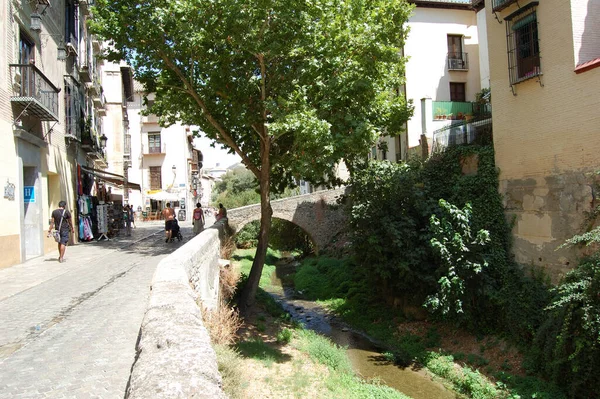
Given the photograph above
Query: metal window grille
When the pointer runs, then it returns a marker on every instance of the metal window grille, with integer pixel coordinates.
(523, 45)
(74, 114)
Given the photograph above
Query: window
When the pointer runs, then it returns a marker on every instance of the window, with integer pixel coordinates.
(457, 59)
(457, 92)
(455, 46)
(74, 113)
(523, 45)
(71, 24)
(155, 178)
(154, 145)
(26, 57)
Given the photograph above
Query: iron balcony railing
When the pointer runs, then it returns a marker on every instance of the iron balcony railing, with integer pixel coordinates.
(457, 110)
(499, 5)
(34, 91)
(458, 61)
(462, 133)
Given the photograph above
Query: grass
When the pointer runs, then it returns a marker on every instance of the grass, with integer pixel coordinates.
(310, 352)
(335, 285)
(257, 349)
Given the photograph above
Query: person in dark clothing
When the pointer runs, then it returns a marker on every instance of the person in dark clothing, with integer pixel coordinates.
(61, 221)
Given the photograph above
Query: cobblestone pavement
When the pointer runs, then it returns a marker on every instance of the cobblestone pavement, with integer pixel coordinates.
(69, 330)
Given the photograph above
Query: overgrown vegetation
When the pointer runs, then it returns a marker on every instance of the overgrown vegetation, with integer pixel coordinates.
(392, 209)
(335, 284)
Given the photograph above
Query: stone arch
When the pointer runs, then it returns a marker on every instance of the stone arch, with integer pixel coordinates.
(318, 214)
(237, 229)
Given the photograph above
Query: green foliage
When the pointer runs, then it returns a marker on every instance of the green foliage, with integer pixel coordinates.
(568, 344)
(256, 348)
(286, 236)
(324, 351)
(461, 259)
(285, 336)
(317, 80)
(467, 381)
(247, 237)
(392, 205)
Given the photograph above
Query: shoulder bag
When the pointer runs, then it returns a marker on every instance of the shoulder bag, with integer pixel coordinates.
(56, 233)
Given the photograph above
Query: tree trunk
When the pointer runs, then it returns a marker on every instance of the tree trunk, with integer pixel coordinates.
(249, 292)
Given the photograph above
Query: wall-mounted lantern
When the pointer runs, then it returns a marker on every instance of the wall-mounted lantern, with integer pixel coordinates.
(36, 22)
(103, 139)
(61, 51)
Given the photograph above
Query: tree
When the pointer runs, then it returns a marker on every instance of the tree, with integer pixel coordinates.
(291, 86)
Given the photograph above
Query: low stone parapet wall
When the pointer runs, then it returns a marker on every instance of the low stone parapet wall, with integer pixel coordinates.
(175, 357)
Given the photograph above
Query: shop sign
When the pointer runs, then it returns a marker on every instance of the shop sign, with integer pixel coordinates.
(29, 194)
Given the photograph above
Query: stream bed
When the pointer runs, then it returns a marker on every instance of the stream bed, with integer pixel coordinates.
(366, 358)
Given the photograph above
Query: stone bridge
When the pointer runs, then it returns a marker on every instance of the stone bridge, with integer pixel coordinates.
(318, 214)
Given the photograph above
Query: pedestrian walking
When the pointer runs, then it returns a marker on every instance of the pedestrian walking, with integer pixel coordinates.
(198, 219)
(169, 215)
(132, 215)
(128, 216)
(60, 222)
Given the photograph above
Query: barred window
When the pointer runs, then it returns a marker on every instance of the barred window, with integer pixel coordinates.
(74, 112)
(523, 44)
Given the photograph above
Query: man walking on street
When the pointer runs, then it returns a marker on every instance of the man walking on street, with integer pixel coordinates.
(168, 214)
(61, 221)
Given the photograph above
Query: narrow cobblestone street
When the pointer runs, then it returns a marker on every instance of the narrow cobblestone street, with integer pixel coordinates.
(69, 330)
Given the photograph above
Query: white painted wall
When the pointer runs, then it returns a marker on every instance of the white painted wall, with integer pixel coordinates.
(427, 48)
(585, 15)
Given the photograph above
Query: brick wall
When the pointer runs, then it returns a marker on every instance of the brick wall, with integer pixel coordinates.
(545, 138)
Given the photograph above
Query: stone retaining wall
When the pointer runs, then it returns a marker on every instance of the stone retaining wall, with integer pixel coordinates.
(175, 356)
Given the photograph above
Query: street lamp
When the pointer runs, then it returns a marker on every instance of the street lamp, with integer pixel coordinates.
(103, 139)
(174, 169)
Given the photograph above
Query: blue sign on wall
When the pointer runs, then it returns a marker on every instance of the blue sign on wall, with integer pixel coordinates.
(29, 194)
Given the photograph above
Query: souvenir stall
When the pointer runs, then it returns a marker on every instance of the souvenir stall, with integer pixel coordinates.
(100, 212)
(86, 205)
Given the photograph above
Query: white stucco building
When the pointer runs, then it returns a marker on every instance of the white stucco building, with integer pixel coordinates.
(50, 105)
(447, 65)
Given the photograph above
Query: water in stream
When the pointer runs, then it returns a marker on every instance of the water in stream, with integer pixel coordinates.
(367, 360)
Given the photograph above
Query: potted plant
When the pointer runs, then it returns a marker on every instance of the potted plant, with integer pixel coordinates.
(468, 117)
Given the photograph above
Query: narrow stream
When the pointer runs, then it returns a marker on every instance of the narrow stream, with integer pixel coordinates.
(367, 360)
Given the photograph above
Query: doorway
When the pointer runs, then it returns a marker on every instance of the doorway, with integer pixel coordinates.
(32, 237)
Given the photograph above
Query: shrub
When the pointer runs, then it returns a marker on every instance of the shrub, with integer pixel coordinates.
(568, 344)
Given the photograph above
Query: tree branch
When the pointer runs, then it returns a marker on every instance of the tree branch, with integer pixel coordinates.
(225, 136)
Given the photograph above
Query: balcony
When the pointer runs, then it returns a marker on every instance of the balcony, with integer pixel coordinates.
(456, 110)
(88, 140)
(85, 73)
(33, 92)
(150, 119)
(458, 61)
(99, 99)
(96, 45)
(154, 150)
(467, 132)
(499, 5)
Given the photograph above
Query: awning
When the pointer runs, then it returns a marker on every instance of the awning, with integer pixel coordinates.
(115, 179)
(164, 196)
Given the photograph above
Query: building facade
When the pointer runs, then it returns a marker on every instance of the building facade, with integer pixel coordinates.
(544, 58)
(447, 66)
(50, 108)
(161, 161)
